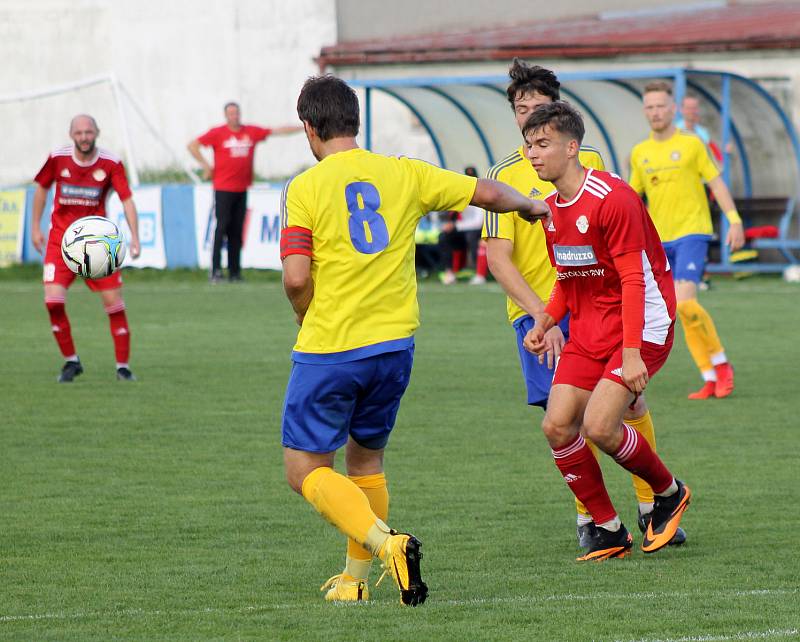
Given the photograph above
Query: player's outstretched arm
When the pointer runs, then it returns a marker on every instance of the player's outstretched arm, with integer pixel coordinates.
(39, 199)
(499, 197)
(286, 129)
(298, 284)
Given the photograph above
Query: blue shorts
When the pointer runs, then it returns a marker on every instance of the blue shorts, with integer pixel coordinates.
(327, 402)
(538, 377)
(687, 257)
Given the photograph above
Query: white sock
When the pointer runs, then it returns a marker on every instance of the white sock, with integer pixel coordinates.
(645, 508)
(671, 489)
(709, 375)
(73, 358)
(612, 525)
(718, 359)
(582, 520)
(121, 365)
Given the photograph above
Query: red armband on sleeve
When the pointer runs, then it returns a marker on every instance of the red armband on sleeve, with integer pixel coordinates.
(295, 240)
(557, 307)
(631, 276)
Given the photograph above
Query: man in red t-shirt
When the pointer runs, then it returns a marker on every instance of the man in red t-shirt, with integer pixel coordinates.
(84, 174)
(614, 280)
(234, 149)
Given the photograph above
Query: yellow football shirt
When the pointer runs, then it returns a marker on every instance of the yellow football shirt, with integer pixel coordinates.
(530, 250)
(671, 173)
(362, 210)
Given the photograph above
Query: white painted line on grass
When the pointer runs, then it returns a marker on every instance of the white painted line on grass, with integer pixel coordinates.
(529, 599)
(742, 635)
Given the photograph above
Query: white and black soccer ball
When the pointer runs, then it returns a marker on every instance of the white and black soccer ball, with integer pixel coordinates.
(93, 247)
(792, 274)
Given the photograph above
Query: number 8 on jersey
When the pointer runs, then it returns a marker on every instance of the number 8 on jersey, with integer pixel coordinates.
(368, 231)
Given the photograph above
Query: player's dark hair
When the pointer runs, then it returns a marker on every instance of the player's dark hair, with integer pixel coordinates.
(527, 79)
(230, 104)
(470, 170)
(658, 85)
(560, 115)
(330, 106)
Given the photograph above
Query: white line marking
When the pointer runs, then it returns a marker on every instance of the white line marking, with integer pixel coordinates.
(528, 599)
(743, 635)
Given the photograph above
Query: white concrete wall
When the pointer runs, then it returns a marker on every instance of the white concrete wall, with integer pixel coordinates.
(182, 59)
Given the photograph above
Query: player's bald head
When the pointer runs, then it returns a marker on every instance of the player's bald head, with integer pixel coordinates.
(83, 121)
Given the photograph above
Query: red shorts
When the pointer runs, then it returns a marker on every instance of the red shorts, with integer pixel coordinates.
(57, 272)
(577, 369)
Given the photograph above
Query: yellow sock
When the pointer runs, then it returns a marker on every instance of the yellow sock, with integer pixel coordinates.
(578, 503)
(644, 425)
(345, 506)
(700, 332)
(359, 559)
(691, 320)
(713, 343)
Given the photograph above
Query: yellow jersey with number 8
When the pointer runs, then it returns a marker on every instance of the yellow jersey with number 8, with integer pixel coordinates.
(362, 209)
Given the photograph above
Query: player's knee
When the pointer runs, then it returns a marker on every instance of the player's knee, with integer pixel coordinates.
(295, 480)
(556, 432)
(599, 432)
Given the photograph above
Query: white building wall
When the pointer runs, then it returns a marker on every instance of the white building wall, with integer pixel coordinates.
(182, 60)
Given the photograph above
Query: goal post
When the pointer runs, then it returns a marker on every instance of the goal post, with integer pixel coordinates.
(121, 99)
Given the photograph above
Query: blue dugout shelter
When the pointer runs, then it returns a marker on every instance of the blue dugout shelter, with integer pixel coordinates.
(468, 121)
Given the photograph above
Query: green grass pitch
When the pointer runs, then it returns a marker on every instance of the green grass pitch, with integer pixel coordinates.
(158, 510)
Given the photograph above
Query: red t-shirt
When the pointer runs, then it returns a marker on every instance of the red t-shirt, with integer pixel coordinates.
(233, 155)
(81, 188)
(606, 220)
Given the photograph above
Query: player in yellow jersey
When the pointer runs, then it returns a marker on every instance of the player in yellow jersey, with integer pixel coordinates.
(347, 246)
(519, 261)
(670, 168)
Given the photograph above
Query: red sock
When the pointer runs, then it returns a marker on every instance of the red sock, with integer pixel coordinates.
(119, 331)
(636, 455)
(60, 325)
(585, 479)
(481, 262)
(458, 260)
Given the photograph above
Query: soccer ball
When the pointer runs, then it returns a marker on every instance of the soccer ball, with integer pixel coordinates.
(93, 247)
(792, 274)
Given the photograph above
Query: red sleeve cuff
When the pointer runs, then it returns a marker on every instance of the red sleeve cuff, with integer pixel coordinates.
(295, 240)
(557, 307)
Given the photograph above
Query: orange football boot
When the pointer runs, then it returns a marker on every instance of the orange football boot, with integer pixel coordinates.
(666, 516)
(706, 392)
(724, 385)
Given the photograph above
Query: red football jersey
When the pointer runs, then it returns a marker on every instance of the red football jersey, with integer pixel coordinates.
(605, 220)
(81, 188)
(233, 155)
